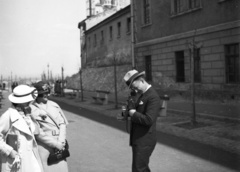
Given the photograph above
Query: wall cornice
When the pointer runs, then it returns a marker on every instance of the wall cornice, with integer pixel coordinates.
(201, 31)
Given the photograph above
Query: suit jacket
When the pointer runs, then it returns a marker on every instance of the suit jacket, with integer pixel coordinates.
(143, 121)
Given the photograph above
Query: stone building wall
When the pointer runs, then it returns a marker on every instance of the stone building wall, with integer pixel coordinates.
(101, 78)
(212, 41)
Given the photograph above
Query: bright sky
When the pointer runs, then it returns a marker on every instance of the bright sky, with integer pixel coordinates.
(35, 33)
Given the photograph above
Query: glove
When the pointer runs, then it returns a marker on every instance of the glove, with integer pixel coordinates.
(131, 104)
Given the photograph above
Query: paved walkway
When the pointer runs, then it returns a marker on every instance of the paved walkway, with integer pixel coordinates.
(218, 124)
(223, 133)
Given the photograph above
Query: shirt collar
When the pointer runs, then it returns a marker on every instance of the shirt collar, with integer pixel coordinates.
(147, 88)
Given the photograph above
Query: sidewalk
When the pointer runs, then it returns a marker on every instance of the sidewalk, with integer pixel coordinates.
(218, 125)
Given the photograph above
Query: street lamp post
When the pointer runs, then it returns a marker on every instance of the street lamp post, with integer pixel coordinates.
(62, 90)
(48, 72)
(81, 86)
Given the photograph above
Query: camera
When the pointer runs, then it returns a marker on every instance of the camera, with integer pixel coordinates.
(129, 105)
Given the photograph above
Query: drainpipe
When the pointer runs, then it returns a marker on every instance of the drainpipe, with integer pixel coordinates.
(132, 36)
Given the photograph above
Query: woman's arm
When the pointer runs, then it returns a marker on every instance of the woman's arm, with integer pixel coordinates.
(5, 124)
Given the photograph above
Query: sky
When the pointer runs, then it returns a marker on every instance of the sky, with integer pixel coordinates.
(38, 33)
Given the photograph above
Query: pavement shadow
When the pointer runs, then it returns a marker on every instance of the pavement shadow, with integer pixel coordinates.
(206, 152)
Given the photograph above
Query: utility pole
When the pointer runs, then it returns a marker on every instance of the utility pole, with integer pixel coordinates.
(81, 86)
(115, 79)
(62, 90)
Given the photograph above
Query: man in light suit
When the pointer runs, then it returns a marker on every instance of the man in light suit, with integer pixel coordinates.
(143, 113)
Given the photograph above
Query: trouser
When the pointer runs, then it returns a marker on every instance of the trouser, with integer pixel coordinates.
(141, 156)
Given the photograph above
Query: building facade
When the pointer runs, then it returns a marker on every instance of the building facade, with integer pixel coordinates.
(106, 50)
(109, 40)
(169, 33)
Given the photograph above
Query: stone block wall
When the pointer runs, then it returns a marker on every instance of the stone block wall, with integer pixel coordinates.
(100, 78)
(212, 43)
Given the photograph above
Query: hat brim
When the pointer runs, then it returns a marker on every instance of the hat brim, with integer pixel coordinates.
(43, 92)
(14, 99)
(135, 77)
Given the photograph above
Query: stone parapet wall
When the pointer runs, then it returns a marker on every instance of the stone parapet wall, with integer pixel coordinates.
(99, 78)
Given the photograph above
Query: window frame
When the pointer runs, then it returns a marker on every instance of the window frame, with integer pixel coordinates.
(95, 40)
(235, 64)
(102, 36)
(197, 65)
(89, 42)
(146, 13)
(128, 25)
(180, 7)
(110, 33)
(148, 68)
(180, 78)
(119, 26)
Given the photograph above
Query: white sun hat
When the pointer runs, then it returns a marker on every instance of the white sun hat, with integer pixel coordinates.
(132, 75)
(23, 94)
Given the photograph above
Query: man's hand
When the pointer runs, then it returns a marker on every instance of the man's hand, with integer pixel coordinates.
(131, 104)
(131, 112)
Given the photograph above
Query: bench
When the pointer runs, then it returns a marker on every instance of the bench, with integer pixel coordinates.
(163, 110)
(101, 97)
(74, 93)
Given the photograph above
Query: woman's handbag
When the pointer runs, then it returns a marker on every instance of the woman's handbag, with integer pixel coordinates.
(59, 155)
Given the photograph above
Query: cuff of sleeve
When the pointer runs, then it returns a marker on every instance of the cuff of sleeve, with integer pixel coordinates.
(8, 150)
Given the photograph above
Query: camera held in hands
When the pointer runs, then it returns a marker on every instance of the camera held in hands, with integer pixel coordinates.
(130, 105)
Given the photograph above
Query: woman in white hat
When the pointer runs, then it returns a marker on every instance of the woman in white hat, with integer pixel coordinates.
(18, 146)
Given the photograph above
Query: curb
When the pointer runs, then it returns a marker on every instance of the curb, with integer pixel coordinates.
(206, 116)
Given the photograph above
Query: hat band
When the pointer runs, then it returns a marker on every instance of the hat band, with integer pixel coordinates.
(131, 78)
(31, 93)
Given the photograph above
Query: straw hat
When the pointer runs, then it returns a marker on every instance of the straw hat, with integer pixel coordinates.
(23, 94)
(132, 75)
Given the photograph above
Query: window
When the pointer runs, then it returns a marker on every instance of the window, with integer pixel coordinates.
(148, 67)
(119, 29)
(89, 41)
(110, 32)
(95, 40)
(180, 69)
(102, 37)
(194, 4)
(197, 67)
(232, 63)
(178, 6)
(129, 25)
(183, 6)
(146, 12)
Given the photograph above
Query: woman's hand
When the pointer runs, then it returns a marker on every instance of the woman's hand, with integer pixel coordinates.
(17, 160)
(60, 145)
(13, 154)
